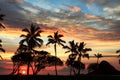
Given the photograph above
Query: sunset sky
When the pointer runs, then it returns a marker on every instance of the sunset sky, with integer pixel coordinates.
(96, 22)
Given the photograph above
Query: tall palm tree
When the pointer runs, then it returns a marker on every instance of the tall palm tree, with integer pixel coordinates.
(98, 55)
(56, 39)
(71, 48)
(82, 52)
(32, 39)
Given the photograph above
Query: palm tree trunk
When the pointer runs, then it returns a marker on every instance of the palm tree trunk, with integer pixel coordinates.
(79, 59)
(28, 66)
(55, 61)
(70, 70)
(97, 60)
(97, 63)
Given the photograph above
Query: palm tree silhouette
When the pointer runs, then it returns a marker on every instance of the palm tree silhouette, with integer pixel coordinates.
(98, 55)
(55, 40)
(71, 48)
(31, 39)
(82, 52)
(77, 51)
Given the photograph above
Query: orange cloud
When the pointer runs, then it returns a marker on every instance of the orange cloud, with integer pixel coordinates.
(75, 9)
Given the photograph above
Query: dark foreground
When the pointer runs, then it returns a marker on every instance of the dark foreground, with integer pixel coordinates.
(47, 77)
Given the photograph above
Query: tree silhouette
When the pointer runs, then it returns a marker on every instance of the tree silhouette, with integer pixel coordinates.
(98, 55)
(19, 60)
(56, 39)
(32, 39)
(41, 60)
(72, 49)
(44, 59)
(77, 52)
(82, 52)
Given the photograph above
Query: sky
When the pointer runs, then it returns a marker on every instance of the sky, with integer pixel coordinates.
(96, 22)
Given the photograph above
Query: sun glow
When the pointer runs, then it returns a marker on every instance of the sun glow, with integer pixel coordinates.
(23, 72)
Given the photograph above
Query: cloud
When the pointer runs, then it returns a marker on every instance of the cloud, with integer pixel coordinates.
(80, 24)
(112, 13)
(75, 9)
(108, 36)
(14, 1)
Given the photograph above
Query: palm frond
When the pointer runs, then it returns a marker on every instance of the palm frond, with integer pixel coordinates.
(48, 43)
(37, 28)
(1, 25)
(88, 49)
(66, 47)
(0, 40)
(62, 41)
(2, 50)
(40, 42)
(60, 35)
(23, 35)
(37, 34)
(50, 36)
(1, 57)
(67, 51)
(86, 55)
(22, 41)
(0, 45)
(98, 55)
(1, 16)
(118, 51)
(26, 30)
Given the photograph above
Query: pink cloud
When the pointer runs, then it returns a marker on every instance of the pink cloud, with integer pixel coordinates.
(75, 9)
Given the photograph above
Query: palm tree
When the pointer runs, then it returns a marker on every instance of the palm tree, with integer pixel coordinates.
(31, 39)
(56, 39)
(98, 55)
(71, 48)
(77, 51)
(82, 52)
